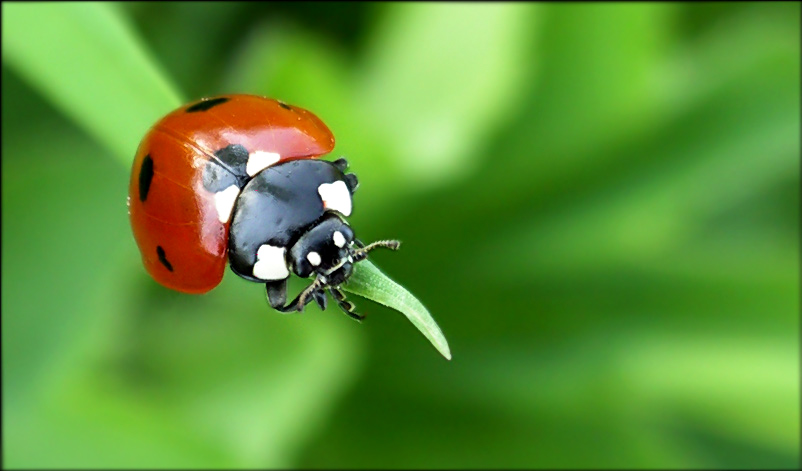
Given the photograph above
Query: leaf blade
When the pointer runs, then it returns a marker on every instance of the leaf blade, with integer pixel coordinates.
(369, 282)
(72, 52)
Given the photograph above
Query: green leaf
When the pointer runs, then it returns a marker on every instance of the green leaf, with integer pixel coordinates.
(367, 281)
(86, 60)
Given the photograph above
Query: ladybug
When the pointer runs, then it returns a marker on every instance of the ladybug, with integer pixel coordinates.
(238, 178)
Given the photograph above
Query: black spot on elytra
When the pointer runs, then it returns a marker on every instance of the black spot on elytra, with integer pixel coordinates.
(206, 104)
(226, 169)
(235, 158)
(145, 177)
(163, 258)
(284, 105)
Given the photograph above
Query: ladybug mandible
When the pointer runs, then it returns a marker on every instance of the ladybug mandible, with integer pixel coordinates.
(237, 177)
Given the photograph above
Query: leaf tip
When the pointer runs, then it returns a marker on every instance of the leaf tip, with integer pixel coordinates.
(441, 345)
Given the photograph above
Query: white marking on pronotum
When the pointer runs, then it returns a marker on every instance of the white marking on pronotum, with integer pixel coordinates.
(224, 202)
(314, 258)
(260, 160)
(339, 239)
(270, 263)
(336, 196)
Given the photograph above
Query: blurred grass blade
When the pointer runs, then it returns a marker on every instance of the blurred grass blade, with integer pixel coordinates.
(72, 53)
(612, 92)
(367, 281)
(439, 78)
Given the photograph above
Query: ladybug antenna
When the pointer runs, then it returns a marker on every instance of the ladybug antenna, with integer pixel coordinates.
(362, 252)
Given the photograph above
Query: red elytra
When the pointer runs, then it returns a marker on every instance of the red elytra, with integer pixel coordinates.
(174, 218)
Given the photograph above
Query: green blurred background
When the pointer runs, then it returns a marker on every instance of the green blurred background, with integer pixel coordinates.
(599, 204)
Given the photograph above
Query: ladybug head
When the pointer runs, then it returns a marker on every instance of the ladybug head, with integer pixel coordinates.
(330, 250)
(326, 250)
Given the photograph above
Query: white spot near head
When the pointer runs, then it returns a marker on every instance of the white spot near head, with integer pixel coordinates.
(224, 202)
(336, 196)
(314, 258)
(260, 160)
(339, 239)
(270, 263)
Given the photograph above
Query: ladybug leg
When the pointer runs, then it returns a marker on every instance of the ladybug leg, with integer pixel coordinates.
(341, 164)
(350, 179)
(345, 305)
(320, 298)
(351, 182)
(295, 304)
(305, 297)
(276, 293)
